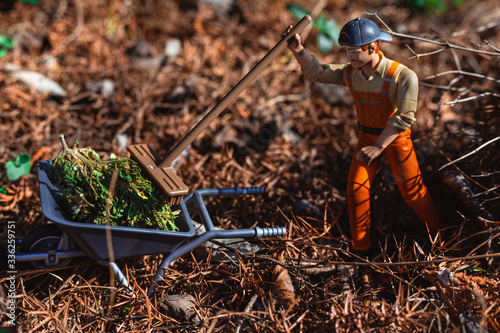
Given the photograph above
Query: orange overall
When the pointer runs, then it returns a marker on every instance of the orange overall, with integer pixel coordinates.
(373, 110)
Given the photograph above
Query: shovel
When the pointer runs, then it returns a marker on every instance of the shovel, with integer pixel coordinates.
(160, 170)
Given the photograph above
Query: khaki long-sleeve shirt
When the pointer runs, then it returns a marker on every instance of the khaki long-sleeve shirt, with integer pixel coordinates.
(403, 91)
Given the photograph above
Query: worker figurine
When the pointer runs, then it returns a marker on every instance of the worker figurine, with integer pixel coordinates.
(385, 94)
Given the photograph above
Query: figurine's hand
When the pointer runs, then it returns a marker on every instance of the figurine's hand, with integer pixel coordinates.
(367, 154)
(294, 43)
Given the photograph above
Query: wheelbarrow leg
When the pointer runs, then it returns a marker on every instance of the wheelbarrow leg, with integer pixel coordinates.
(183, 249)
(213, 234)
(119, 276)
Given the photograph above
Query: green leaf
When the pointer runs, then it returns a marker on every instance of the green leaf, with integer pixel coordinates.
(331, 30)
(18, 167)
(320, 23)
(432, 7)
(297, 11)
(474, 269)
(419, 3)
(6, 44)
(324, 42)
(3, 191)
(7, 41)
(33, 2)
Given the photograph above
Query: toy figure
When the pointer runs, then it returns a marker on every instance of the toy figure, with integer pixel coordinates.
(385, 94)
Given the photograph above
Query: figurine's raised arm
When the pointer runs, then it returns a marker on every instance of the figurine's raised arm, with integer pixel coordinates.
(303, 57)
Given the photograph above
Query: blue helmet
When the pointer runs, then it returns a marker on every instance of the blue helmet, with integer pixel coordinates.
(361, 31)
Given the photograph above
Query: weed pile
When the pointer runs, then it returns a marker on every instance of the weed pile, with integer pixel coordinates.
(89, 195)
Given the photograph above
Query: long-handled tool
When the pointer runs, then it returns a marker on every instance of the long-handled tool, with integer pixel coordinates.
(160, 170)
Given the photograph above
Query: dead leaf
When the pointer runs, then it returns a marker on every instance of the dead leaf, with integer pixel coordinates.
(283, 290)
(180, 307)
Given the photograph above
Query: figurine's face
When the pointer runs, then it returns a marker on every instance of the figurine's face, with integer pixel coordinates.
(357, 56)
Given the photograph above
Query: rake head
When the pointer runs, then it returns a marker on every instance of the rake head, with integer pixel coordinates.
(165, 179)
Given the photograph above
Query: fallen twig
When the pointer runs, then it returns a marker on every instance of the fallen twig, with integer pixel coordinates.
(469, 154)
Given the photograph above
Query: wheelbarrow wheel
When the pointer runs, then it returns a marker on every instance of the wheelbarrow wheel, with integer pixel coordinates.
(43, 239)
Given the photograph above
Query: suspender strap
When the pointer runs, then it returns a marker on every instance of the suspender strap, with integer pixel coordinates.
(349, 77)
(373, 107)
(388, 77)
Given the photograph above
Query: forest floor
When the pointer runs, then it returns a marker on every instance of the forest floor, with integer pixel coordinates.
(146, 71)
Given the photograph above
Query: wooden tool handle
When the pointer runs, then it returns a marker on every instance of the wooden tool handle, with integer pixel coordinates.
(231, 95)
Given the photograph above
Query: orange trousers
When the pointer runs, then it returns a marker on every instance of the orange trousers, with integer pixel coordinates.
(404, 166)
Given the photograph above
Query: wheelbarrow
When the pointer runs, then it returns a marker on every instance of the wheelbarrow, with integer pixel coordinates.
(55, 244)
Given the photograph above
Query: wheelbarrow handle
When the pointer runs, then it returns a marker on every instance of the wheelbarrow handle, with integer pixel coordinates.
(242, 190)
(227, 191)
(231, 96)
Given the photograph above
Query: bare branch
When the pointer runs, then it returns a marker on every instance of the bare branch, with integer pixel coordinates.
(437, 86)
(488, 191)
(481, 76)
(478, 29)
(488, 174)
(493, 47)
(446, 44)
(472, 98)
(418, 55)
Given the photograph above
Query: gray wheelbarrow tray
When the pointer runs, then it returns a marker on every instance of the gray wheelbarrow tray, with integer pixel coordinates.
(91, 239)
